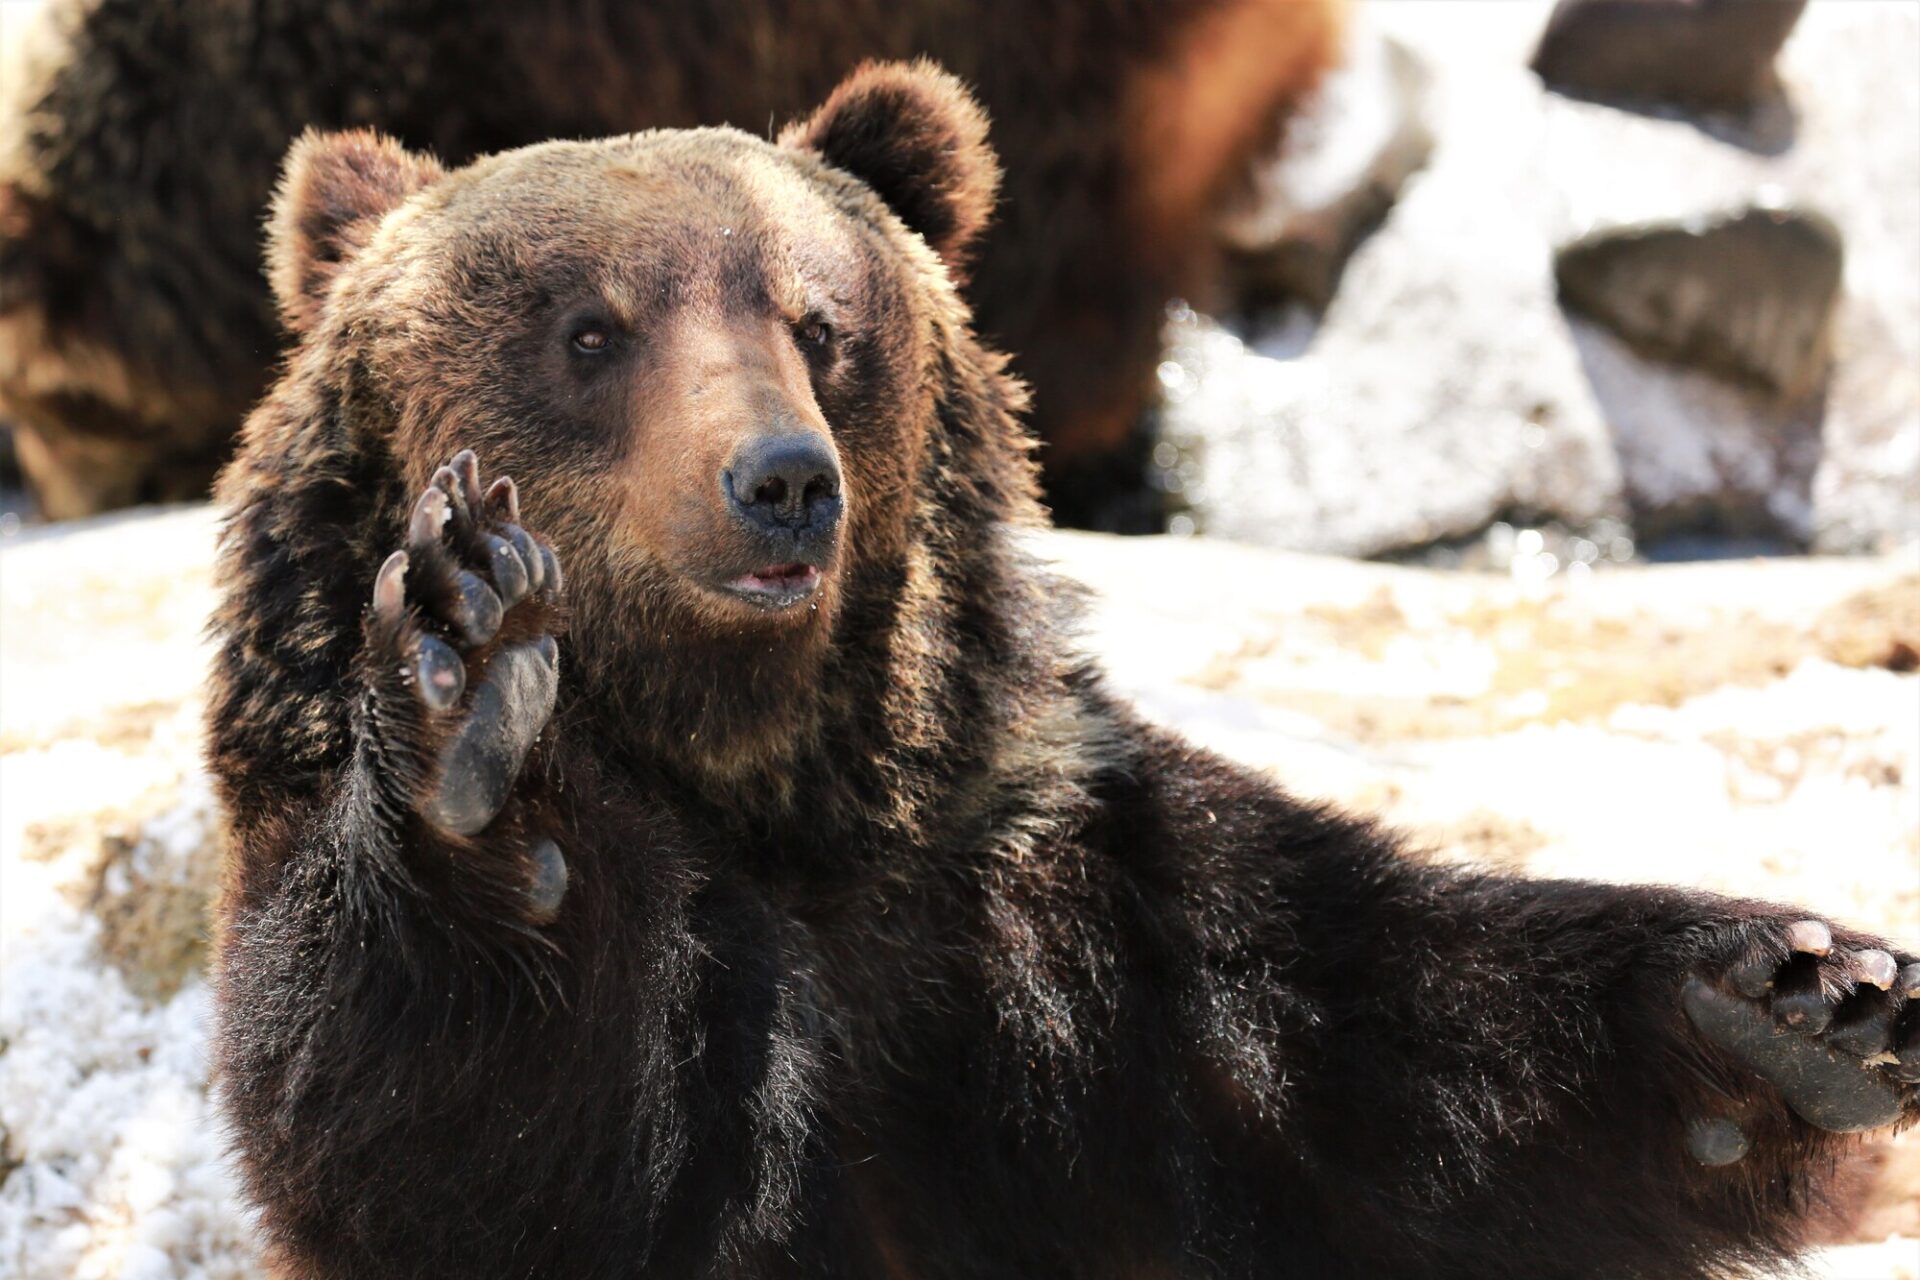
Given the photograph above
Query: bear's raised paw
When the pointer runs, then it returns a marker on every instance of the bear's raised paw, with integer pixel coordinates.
(462, 604)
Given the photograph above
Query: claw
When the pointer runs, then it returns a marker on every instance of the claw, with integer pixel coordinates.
(430, 516)
(503, 501)
(466, 466)
(1811, 937)
(447, 481)
(390, 588)
(1875, 967)
(550, 569)
(1908, 983)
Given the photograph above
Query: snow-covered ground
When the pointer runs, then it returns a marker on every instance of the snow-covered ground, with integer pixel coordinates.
(1721, 725)
(107, 852)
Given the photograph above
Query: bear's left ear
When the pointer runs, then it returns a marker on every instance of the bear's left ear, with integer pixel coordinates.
(334, 189)
(915, 135)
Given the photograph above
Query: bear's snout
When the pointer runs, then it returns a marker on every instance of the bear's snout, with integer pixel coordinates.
(787, 487)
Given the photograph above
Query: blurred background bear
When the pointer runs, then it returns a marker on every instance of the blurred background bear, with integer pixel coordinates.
(135, 325)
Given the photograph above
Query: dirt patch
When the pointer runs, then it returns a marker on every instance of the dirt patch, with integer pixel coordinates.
(153, 914)
(1555, 666)
(150, 891)
(1550, 660)
(1365, 629)
(1878, 627)
(124, 728)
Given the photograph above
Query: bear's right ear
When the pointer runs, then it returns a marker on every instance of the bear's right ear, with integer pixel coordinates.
(915, 135)
(334, 188)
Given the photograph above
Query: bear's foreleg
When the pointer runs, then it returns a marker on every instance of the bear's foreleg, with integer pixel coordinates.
(408, 983)
(1554, 1078)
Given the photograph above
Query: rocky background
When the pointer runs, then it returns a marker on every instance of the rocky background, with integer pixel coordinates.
(1668, 309)
(1674, 299)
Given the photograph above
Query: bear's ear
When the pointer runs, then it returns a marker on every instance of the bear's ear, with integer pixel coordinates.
(915, 135)
(334, 188)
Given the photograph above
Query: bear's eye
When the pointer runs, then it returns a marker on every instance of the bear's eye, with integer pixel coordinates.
(591, 341)
(813, 332)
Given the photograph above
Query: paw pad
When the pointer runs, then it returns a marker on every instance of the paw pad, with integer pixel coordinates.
(1835, 1029)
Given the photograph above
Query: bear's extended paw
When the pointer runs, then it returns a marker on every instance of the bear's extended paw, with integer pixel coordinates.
(460, 608)
(1836, 1029)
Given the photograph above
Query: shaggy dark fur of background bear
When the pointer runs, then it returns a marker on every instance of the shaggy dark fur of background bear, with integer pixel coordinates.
(837, 923)
(135, 329)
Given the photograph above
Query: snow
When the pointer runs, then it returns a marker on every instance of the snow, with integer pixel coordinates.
(1634, 740)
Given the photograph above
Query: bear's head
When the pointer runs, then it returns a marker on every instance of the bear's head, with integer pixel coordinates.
(732, 378)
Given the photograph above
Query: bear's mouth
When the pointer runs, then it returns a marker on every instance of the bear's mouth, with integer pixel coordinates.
(777, 586)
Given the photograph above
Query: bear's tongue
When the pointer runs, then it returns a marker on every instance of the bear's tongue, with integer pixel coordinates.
(781, 577)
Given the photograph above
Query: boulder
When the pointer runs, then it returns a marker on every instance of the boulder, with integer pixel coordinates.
(1749, 294)
(1690, 54)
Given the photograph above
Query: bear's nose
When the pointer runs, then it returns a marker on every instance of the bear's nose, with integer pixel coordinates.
(789, 482)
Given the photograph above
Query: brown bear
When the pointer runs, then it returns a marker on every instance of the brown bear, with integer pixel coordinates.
(704, 853)
(136, 331)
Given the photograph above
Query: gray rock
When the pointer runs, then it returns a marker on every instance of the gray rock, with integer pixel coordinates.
(1698, 54)
(1332, 179)
(1750, 295)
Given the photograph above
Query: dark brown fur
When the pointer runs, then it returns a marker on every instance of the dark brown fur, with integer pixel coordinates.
(135, 329)
(893, 945)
